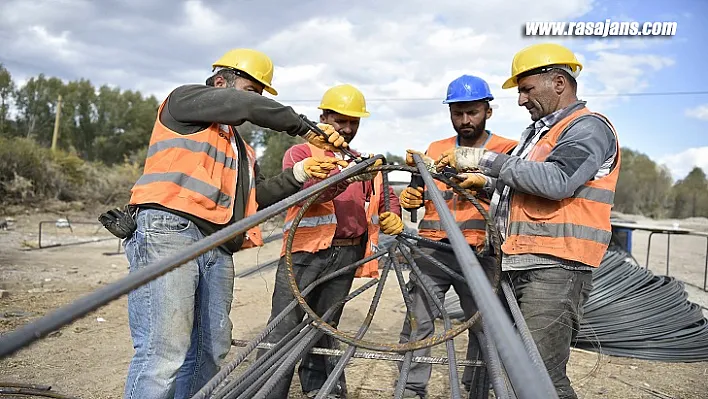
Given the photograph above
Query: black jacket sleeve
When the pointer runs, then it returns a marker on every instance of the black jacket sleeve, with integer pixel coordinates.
(277, 188)
(192, 107)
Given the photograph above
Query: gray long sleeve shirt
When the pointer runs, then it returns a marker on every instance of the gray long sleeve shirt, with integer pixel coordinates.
(193, 108)
(586, 150)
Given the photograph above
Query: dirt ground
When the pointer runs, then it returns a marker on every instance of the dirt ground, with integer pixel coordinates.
(89, 358)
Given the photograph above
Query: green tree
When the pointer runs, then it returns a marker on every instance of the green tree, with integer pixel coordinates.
(395, 159)
(643, 186)
(36, 103)
(691, 195)
(7, 90)
(271, 162)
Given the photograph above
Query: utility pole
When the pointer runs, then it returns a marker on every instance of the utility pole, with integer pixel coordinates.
(55, 135)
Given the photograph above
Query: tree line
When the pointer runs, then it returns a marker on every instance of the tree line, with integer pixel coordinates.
(111, 127)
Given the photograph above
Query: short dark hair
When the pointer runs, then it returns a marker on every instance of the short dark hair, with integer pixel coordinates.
(230, 75)
(555, 72)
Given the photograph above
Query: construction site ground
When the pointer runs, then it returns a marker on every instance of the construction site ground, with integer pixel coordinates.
(89, 358)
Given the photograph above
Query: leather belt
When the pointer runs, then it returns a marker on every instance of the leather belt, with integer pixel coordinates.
(346, 242)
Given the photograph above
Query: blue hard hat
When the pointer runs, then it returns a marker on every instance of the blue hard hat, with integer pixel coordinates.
(468, 88)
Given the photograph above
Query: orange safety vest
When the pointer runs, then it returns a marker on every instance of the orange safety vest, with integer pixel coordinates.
(316, 229)
(576, 228)
(466, 215)
(196, 174)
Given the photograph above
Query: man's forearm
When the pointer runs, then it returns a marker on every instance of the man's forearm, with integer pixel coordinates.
(574, 160)
(277, 188)
(206, 104)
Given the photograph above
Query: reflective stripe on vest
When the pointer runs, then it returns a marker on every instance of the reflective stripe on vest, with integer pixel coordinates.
(312, 221)
(595, 194)
(472, 224)
(558, 230)
(190, 183)
(194, 146)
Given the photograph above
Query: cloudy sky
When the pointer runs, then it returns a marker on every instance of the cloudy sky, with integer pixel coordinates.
(401, 54)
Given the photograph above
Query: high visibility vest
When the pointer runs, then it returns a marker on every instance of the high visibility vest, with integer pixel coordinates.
(196, 174)
(316, 229)
(466, 215)
(576, 228)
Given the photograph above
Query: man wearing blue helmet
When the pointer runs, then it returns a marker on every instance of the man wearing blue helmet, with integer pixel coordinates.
(468, 98)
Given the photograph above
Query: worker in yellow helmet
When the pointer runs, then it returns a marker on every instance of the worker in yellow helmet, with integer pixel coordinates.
(338, 230)
(201, 176)
(551, 200)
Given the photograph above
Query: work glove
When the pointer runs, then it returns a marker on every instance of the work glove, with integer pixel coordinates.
(119, 222)
(473, 181)
(333, 142)
(411, 198)
(429, 162)
(363, 176)
(390, 223)
(461, 158)
(316, 167)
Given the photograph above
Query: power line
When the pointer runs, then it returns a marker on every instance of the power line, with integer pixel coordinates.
(629, 94)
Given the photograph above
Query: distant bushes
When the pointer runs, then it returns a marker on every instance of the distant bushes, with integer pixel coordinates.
(31, 174)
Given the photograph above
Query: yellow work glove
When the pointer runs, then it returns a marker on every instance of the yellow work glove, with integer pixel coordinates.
(316, 167)
(333, 142)
(473, 181)
(390, 223)
(429, 162)
(461, 158)
(411, 198)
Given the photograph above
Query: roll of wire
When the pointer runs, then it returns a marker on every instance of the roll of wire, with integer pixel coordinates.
(633, 313)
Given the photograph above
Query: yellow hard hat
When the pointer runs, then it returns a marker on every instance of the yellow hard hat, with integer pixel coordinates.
(346, 100)
(253, 62)
(540, 55)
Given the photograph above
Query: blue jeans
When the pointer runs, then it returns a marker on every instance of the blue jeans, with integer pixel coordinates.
(179, 322)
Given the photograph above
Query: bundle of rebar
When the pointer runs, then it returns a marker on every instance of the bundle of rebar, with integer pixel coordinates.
(508, 354)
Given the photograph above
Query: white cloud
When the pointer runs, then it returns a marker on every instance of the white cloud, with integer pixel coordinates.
(400, 58)
(683, 162)
(699, 112)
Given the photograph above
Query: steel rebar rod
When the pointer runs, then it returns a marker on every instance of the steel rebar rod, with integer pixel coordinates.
(520, 367)
(274, 362)
(494, 367)
(339, 368)
(231, 388)
(431, 259)
(20, 391)
(229, 368)
(410, 313)
(385, 193)
(388, 356)
(307, 343)
(247, 391)
(450, 344)
(13, 341)
(522, 327)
